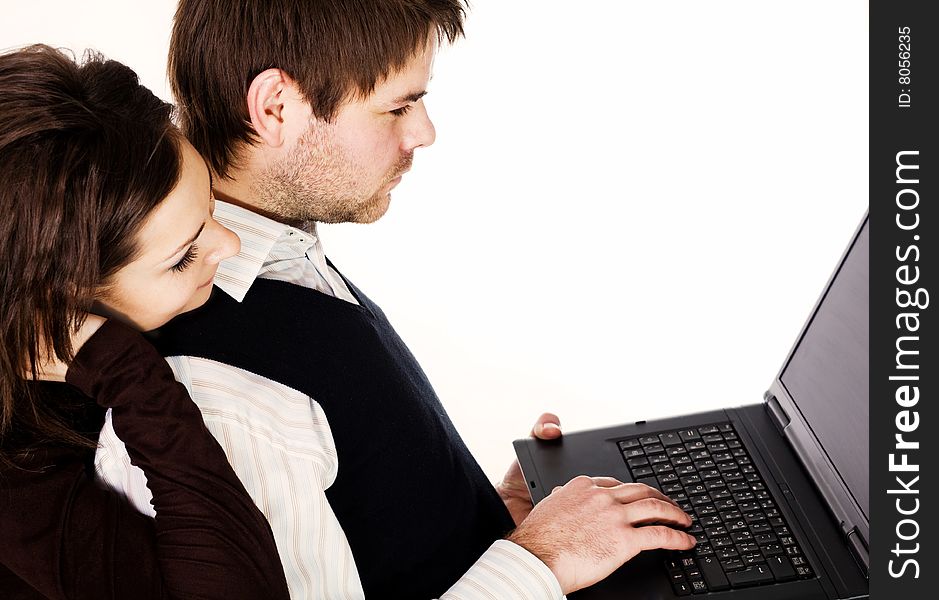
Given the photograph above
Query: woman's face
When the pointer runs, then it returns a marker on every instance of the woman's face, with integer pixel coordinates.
(179, 248)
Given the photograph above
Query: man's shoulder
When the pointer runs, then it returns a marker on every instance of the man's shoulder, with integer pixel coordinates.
(265, 408)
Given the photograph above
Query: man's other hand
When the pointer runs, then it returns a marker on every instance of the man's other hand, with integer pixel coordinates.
(513, 489)
(588, 528)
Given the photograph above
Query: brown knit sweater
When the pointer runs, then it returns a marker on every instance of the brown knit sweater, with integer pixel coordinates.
(64, 536)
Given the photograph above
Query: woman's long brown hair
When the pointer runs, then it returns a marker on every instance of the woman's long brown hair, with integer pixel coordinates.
(86, 153)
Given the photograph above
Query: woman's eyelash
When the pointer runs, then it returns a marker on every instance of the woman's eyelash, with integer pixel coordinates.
(398, 112)
(187, 259)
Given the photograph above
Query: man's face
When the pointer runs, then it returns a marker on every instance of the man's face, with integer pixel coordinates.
(344, 171)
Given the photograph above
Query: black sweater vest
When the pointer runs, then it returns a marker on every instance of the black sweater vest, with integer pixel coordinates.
(414, 504)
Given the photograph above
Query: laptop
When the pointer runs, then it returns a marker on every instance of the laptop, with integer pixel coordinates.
(777, 490)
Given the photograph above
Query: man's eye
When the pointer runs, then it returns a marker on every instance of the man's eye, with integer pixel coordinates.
(400, 112)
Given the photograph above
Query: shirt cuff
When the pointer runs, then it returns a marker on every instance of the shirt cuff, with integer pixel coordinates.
(508, 572)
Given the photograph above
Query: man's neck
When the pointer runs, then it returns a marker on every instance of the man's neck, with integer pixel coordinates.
(237, 189)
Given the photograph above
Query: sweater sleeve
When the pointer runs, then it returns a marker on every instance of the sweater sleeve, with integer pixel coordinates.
(208, 539)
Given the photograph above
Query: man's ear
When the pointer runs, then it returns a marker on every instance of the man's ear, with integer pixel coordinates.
(266, 97)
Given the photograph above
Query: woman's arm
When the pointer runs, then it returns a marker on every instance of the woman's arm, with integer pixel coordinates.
(208, 539)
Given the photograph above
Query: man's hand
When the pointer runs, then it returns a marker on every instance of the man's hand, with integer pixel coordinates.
(513, 489)
(589, 527)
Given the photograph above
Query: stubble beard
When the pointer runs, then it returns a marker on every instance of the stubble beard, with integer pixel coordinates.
(319, 181)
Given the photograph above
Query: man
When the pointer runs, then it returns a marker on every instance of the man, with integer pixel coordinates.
(310, 111)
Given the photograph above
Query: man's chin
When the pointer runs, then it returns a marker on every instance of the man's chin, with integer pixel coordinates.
(374, 210)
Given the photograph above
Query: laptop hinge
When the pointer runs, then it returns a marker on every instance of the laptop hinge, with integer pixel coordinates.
(777, 412)
(859, 549)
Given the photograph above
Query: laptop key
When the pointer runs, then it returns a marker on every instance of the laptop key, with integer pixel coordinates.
(627, 444)
(753, 575)
(657, 459)
(764, 538)
(760, 527)
(782, 570)
(639, 461)
(753, 559)
(698, 586)
(707, 509)
(670, 439)
(742, 536)
(725, 427)
(720, 494)
(710, 474)
(671, 488)
(689, 435)
(708, 429)
(727, 553)
(705, 463)
(648, 440)
(681, 588)
(642, 472)
(716, 531)
(713, 574)
(772, 550)
(710, 520)
(733, 564)
(633, 453)
(722, 542)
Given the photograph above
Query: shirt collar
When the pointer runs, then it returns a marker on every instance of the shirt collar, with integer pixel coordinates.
(258, 236)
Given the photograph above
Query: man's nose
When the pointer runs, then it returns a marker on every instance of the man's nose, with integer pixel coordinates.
(419, 130)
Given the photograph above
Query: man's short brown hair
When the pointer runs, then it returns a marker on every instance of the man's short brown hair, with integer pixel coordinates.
(336, 50)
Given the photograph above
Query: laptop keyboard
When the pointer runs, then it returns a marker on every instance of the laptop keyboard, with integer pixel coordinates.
(743, 538)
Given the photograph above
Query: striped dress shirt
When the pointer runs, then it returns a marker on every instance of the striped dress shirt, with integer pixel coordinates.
(279, 442)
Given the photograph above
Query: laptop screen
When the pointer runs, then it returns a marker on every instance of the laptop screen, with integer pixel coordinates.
(827, 374)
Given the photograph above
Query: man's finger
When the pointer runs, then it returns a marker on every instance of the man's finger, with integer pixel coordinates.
(631, 492)
(654, 537)
(654, 510)
(547, 427)
(606, 482)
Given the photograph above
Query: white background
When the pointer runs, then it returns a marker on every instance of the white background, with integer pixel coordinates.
(630, 209)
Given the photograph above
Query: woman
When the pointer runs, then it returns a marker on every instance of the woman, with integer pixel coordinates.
(107, 209)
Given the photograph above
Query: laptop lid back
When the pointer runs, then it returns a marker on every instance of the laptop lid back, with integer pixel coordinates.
(821, 396)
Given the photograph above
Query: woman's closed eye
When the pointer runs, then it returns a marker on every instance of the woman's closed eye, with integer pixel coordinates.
(186, 261)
